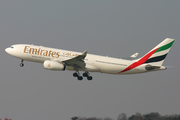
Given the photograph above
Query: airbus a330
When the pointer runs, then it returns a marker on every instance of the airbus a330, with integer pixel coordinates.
(61, 60)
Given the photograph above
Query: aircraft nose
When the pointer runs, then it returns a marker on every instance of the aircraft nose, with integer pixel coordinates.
(7, 50)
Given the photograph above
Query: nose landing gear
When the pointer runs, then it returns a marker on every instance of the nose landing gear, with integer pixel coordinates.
(21, 64)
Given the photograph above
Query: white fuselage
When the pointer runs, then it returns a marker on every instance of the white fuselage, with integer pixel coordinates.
(92, 63)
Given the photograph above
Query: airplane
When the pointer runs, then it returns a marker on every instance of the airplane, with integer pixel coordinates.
(61, 60)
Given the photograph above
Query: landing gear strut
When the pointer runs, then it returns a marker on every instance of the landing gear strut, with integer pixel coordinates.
(21, 64)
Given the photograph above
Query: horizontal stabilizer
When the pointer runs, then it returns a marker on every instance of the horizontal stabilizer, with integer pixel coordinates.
(150, 67)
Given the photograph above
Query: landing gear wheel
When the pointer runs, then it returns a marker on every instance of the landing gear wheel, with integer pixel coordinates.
(21, 64)
(85, 75)
(75, 75)
(89, 77)
(79, 77)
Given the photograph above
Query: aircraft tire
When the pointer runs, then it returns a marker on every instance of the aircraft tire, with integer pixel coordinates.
(80, 78)
(89, 78)
(75, 75)
(85, 75)
(21, 64)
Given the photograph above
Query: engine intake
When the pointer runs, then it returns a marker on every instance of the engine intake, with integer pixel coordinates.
(53, 65)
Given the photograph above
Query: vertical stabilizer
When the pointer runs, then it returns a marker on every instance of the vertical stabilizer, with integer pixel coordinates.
(158, 54)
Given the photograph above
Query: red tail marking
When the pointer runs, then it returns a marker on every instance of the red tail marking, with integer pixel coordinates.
(141, 61)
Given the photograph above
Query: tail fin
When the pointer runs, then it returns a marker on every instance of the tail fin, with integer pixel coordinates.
(158, 54)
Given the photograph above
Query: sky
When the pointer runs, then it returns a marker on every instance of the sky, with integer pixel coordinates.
(117, 28)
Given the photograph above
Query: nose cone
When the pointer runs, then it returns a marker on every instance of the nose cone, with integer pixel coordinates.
(12, 51)
(7, 50)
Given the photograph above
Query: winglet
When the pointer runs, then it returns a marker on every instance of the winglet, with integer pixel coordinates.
(134, 55)
(84, 53)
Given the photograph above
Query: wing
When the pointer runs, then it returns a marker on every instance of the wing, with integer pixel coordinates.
(76, 61)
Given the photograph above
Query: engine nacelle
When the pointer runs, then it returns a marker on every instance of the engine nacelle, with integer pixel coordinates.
(53, 65)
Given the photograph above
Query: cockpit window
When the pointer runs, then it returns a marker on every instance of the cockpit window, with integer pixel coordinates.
(12, 47)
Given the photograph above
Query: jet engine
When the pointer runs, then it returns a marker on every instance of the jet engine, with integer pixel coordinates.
(53, 65)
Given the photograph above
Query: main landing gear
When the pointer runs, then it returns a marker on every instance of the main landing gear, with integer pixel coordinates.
(86, 74)
(21, 64)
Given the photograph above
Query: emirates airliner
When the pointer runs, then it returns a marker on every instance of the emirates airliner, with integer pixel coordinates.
(61, 60)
